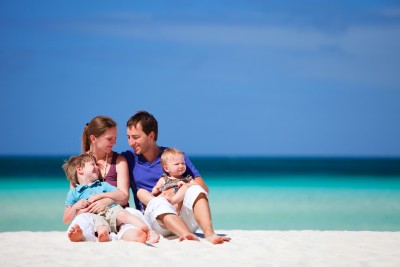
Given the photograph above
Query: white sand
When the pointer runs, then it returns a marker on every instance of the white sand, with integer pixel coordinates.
(247, 248)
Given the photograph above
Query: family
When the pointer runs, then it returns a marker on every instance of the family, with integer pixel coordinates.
(171, 197)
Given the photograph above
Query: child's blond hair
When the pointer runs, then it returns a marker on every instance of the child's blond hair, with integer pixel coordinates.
(70, 166)
(169, 153)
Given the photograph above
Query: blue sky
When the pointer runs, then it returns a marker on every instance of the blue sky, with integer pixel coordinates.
(234, 78)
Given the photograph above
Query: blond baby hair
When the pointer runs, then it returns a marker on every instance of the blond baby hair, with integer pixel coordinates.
(169, 153)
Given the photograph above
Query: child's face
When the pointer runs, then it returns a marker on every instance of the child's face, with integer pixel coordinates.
(91, 171)
(175, 166)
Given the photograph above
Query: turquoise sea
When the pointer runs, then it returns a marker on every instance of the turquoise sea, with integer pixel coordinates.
(245, 193)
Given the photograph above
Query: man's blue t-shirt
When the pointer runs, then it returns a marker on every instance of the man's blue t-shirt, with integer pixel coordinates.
(144, 174)
(85, 191)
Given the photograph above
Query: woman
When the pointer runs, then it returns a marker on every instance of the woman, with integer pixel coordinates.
(99, 136)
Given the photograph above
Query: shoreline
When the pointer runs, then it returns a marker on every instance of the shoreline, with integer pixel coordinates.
(247, 248)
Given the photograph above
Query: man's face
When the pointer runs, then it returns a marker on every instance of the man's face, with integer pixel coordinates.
(138, 140)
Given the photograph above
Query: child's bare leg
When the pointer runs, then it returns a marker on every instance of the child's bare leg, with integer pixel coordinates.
(180, 195)
(144, 196)
(75, 234)
(103, 234)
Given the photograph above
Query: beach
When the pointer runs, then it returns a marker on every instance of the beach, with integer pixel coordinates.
(247, 248)
(274, 219)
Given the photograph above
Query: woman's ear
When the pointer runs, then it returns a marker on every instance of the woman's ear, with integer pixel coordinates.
(92, 138)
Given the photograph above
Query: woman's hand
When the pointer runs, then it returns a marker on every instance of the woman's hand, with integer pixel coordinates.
(100, 205)
(81, 204)
(85, 210)
(94, 198)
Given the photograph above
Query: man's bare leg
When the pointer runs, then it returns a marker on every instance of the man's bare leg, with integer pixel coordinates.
(202, 214)
(75, 234)
(175, 224)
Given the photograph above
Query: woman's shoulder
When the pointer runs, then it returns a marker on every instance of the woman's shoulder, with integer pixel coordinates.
(128, 154)
(117, 157)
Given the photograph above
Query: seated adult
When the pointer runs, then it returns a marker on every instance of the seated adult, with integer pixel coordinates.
(145, 170)
(98, 138)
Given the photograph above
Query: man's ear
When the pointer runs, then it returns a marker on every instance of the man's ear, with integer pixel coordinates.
(152, 135)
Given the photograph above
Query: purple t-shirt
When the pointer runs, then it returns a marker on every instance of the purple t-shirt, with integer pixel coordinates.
(144, 174)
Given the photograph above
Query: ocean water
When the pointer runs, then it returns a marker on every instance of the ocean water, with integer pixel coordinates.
(245, 193)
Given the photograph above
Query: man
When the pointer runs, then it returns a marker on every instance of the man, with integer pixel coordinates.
(145, 169)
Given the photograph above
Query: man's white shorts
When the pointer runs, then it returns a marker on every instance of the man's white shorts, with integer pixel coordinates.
(160, 205)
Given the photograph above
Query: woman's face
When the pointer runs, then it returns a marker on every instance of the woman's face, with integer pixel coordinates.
(106, 141)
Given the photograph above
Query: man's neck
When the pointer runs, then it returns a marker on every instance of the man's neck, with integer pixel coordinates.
(152, 153)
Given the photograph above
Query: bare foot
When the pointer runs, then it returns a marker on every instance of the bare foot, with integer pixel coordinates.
(216, 239)
(142, 234)
(75, 234)
(188, 236)
(102, 234)
(153, 237)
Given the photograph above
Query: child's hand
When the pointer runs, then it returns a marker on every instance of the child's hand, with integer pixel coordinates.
(81, 204)
(155, 191)
(180, 183)
(166, 196)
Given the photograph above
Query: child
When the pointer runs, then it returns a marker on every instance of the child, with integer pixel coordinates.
(83, 171)
(172, 186)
